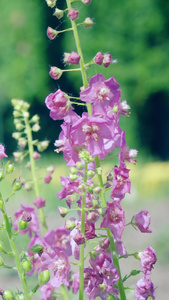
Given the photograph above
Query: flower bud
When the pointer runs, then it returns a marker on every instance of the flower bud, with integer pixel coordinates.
(55, 72)
(79, 165)
(35, 119)
(58, 13)
(18, 156)
(86, 1)
(51, 3)
(79, 239)
(16, 135)
(26, 216)
(73, 177)
(93, 217)
(70, 224)
(17, 185)
(98, 59)
(51, 33)
(35, 127)
(19, 126)
(22, 225)
(97, 190)
(90, 173)
(44, 277)
(22, 142)
(47, 178)
(39, 202)
(106, 60)
(8, 295)
(88, 23)
(26, 265)
(63, 211)
(36, 155)
(19, 296)
(73, 170)
(42, 146)
(71, 58)
(37, 248)
(73, 14)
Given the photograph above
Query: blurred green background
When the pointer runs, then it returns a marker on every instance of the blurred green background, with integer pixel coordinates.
(136, 33)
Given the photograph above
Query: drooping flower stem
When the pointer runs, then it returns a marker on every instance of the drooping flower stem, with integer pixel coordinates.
(16, 255)
(32, 162)
(81, 288)
(79, 50)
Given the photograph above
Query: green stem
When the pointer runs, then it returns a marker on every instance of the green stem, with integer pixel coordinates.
(32, 162)
(63, 289)
(16, 256)
(81, 289)
(116, 264)
(79, 50)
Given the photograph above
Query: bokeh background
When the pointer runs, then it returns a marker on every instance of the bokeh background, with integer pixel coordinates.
(136, 33)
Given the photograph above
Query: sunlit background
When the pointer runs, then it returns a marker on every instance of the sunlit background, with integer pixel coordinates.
(136, 34)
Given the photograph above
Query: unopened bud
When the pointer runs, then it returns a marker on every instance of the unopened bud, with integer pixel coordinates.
(55, 72)
(70, 224)
(73, 14)
(17, 185)
(42, 146)
(51, 3)
(73, 170)
(1, 246)
(16, 135)
(26, 265)
(36, 155)
(58, 13)
(73, 177)
(79, 165)
(88, 23)
(26, 216)
(51, 33)
(79, 239)
(90, 173)
(1, 205)
(19, 126)
(1, 262)
(19, 296)
(22, 225)
(2, 175)
(63, 211)
(35, 127)
(35, 119)
(106, 60)
(8, 295)
(22, 142)
(44, 277)
(37, 248)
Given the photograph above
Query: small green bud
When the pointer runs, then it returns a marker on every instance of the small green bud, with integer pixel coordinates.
(22, 225)
(42, 146)
(35, 119)
(99, 171)
(35, 127)
(9, 167)
(17, 185)
(51, 3)
(79, 165)
(73, 170)
(8, 295)
(44, 277)
(90, 173)
(70, 224)
(58, 13)
(19, 126)
(73, 177)
(136, 255)
(18, 156)
(16, 113)
(1, 262)
(16, 135)
(37, 248)
(26, 114)
(19, 296)
(26, 265)
(103, 287)
(22, 142)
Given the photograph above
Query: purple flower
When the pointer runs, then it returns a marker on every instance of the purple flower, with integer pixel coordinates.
(57, 261)
(147, 259)
(125, 153)
(142, 221)
(64, 143)
(104, 94)
(2, 152)
(91, 131)
(98, 59)
(121, 183)
(55, 72)
(114, 219)
(33, 224)
(51, 33)
(144, 289)
(46, 291)
(69, 187)
(106, 60)
(39, 202)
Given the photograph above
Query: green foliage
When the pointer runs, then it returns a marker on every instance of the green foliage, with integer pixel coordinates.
(24, 72)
